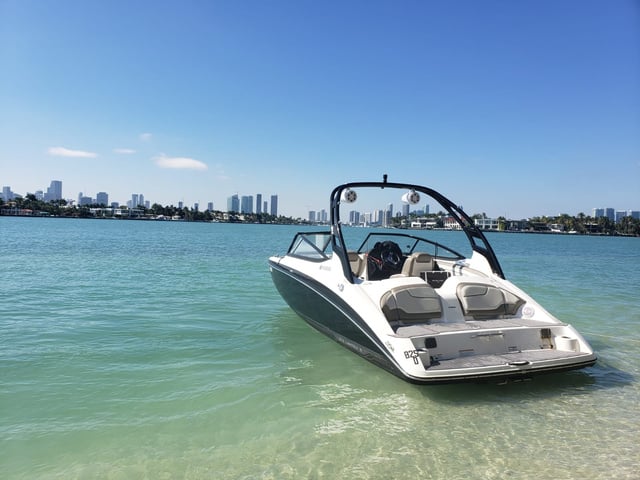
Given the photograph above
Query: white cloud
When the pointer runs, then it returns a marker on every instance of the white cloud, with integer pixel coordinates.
(179, 163)
(66, 152)
(124, 151)
(145, 137)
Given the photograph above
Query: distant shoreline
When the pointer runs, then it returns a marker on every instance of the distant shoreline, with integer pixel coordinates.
(287, 221)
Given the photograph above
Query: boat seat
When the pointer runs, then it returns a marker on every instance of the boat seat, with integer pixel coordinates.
(356, 263)
(416, 263)
(411, 304)
(485, 301)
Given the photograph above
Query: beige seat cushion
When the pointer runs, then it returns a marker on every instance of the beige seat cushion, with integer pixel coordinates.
(417, 263)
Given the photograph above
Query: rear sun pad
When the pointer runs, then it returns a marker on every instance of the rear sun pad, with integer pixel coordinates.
(411, 303)
(485, 301)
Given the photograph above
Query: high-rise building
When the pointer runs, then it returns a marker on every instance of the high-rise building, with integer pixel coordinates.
(258, 203)
(274, 205)
(84, 200)
(210, 206)
(54, 192)
(246, 204)
(264, 207)
(134, 200)
(102, 198)
(620, 214)
(610, 213)
(7, 194)
(233, 203)
(312, 216)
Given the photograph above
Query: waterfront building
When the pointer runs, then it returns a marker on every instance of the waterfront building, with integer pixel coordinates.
(487, 223)
(258, 203)
(354, 217)
(54, 192)
(274, 205)
(451, 224)
(405, 209)
(264, 207)
(312, 216)
(210, 206)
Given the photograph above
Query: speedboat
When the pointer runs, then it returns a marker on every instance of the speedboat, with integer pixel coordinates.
(396, 295)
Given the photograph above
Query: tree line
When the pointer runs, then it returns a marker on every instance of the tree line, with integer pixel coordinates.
(580, 224)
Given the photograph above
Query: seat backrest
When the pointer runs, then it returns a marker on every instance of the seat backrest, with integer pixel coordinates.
(411, 304)
(486, 301)
(417, 263)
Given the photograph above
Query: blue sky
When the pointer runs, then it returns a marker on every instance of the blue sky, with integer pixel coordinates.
(514, 108)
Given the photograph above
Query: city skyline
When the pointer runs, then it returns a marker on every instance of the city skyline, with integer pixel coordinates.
(516, 109)
(55, 189)
(246, 204)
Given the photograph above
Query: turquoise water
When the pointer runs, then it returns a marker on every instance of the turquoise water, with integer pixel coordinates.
(162, 350)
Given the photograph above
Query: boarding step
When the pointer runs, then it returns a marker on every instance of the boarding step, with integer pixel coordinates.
(516, 359)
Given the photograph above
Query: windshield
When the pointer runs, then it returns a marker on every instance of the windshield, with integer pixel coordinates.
(409, 244)
(311, 245)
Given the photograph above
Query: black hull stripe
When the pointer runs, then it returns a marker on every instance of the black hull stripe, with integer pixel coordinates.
(353, 324)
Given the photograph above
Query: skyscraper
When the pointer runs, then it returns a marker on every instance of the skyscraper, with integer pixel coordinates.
(274, 205)
(258, 203)
(246, 204)
(54, 192)
(7, 194)
(102, 198)
(233, 203)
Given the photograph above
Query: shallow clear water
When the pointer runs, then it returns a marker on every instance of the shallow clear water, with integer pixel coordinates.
(162, 350)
